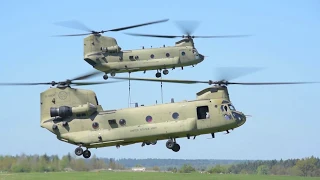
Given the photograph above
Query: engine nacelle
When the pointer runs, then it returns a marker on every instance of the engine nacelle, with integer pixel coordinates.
(111, 49)
(66, 111)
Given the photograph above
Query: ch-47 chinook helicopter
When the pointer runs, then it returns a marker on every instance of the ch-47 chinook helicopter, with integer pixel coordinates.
(104, 53)
(75, 116)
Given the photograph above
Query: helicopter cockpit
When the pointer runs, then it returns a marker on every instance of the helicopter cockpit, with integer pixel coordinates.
(230, 112)
(227, 106)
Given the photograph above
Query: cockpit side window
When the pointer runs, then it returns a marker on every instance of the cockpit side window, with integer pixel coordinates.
(231, 107)
(96, 100)
(225, 108)
(222, 109)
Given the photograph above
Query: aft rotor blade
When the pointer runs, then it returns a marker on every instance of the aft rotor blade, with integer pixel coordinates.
(138, 25)
(162, 80)
(74, 24)
(24, 84)
(87, 75)
(72, 35)
(92, 83)
(270, 83)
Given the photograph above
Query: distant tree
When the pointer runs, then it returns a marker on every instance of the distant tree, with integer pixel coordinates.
(187, 168)
(263, 170)
(155, 168)
(307, 166)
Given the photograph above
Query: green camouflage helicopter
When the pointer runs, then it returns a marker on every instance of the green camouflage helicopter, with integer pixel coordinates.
(104, 54)
(75, 116)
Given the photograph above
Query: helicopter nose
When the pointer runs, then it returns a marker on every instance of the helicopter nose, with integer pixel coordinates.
(239, 117)
(201, 57)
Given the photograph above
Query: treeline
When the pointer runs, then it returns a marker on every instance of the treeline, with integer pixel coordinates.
(293, 167)
(164, 164)
(45, 163)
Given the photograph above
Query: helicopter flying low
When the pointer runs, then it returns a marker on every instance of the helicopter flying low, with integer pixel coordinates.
(103, 53)
(76, 117)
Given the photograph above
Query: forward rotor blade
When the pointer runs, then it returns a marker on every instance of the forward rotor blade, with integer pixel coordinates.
(210, 81)
(138, 25)
(187, 27)
(226, 36)
(184, 36)
(23, 84)
(229, 73)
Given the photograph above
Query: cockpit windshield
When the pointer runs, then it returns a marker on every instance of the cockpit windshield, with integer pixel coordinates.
(231, 107)
(226, 106)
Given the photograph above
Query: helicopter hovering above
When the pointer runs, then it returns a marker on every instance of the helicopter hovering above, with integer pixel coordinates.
(76, 117)
(103, 53)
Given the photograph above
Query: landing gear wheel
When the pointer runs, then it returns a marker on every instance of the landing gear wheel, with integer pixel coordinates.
(154, 142)
(105, 77)
(112, 74)
(165, 72)
(170, 144)
(78, 151)
(158, 74)
(86, 154)
(176, 147)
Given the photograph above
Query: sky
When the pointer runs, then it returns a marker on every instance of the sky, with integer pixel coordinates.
(285, 42)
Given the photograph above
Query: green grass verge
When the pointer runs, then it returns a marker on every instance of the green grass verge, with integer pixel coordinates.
(139, 176)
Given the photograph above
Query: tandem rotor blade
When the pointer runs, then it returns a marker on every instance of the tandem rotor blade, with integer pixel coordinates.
(221, 82)
(66, 82)
(187, 28)
(80, 26)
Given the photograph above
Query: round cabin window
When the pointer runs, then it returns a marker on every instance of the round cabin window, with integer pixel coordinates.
(148, 118)
(183, 53)
(152, 56)
(175, 115)
(122, 122)
(167, 54)
(95, 125)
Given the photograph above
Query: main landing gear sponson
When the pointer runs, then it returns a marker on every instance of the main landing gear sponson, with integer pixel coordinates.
(79, 151)
(173, 145)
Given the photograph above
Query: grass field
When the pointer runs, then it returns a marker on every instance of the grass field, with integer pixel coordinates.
(139, 176)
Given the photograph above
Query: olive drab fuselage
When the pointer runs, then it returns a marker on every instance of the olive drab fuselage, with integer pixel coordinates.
(83, 120)
(105, 55)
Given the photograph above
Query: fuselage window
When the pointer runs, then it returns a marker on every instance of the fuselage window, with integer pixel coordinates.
(148, 119)
(122, 122)
(183, 53)
(203, 112)
(175, 115)
(167, 54)
(152, 56)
